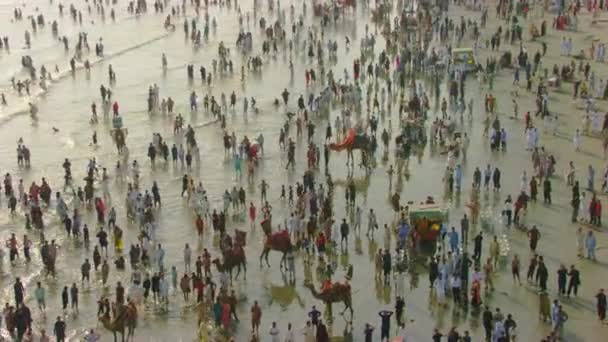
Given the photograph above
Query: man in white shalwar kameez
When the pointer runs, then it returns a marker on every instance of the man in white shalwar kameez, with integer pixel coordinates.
(596, 122)
(529, 139)
(576, 140)
(580, 242)
(440, 290)
(399, 284)
(584, 207)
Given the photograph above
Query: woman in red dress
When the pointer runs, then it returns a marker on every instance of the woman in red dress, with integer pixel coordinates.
(226, 315)
(252, 213)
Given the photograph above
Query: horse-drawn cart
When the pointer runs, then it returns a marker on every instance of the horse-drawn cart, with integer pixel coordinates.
(119, 133)
(426, 221)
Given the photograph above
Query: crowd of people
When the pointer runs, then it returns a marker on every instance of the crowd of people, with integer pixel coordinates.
(403, 76)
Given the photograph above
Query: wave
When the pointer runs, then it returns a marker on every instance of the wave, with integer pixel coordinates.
(18, 105)
(71, 33)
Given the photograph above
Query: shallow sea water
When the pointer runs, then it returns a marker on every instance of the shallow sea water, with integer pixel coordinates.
(134, 47)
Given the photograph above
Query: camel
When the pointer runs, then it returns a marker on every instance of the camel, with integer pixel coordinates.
(126, 317)
(279, 241)
(339, 292)
(233, 254)
(232, 258)
(119, 137)
(360, 142)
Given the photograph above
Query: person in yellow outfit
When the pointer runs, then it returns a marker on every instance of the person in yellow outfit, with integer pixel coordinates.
(494, 251)
(118, 243)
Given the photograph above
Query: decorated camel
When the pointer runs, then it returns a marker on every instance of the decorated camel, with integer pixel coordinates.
(337, 292)
(119, 133)
(126, 318)
(351, 142)
(233, 255)
(232, 259)
(119, 137)
(278, 241)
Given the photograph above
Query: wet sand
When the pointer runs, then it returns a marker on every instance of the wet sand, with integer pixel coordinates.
(66, 106)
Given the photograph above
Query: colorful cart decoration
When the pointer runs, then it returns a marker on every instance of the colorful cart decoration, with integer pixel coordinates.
(426, 221)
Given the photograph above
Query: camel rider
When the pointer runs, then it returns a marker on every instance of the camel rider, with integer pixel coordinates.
(326, 286)
(227, 242)
(329, 271)
(132, 307)
(349, 272)
(284, 231)
(115, 108)
(267, 210)
(237, 249)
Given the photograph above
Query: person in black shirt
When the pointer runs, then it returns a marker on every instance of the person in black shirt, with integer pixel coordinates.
(601, 305)
(510, 326)
(344, 230)
(100, 307)
(575, 280)
(96, 258)
(120, 293)
(185, 181)
(477, 246)
(156, 195)
(387, 266)
(21, 321)
(368, 332)
(59, 330)
(534, 236)
(488, 319)
(561, 280)
(65, 298)
(146, 285)
(314, 315)
(385, 327)
(542, 274)
(74, 296)
(547, 190)
(433, 272)
(102, 236)
(453, 335)
(19, 291)
(399, 305)
(437, 336)
(155, 286)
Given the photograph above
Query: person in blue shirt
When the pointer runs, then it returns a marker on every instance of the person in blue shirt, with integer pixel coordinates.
(404, 231)
(453, 240)
(458, 177)
(590, 244)
(314, 315)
